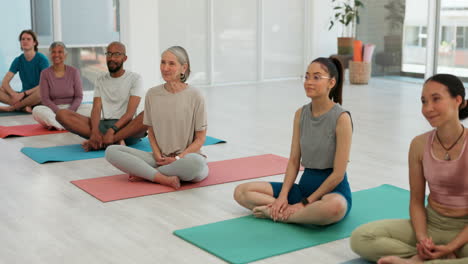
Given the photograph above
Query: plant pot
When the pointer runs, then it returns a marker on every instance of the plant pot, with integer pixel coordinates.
(359, 72)
(345, 46)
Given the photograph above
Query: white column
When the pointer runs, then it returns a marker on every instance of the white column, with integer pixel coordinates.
(432, 44)
(57, 20)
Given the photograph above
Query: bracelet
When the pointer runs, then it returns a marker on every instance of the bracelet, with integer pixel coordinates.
(304, 201)
(177, 157)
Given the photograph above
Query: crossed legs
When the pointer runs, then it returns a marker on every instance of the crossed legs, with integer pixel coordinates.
(257, 196)
(81, 125)
(21, 101)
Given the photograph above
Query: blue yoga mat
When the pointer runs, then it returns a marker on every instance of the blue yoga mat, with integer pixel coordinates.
(76, 152)
(247, 239)
(13, 113)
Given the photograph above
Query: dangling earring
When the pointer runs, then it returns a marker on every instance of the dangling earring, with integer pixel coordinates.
(182, 77)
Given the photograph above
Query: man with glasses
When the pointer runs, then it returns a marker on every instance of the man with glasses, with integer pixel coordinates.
(116, 98)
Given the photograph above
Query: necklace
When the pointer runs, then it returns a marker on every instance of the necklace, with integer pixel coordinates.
(447, 155)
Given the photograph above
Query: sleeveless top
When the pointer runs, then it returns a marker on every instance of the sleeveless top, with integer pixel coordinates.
(318, 137)
(447, 179)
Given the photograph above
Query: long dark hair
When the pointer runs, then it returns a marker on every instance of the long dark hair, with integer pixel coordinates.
(33, 35)
(455, 88)
(335, 69)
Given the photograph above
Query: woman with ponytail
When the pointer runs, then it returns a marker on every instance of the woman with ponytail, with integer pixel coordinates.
(321, 142)
(438, 232)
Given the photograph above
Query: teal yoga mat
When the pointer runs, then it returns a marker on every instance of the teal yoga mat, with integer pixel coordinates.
(76, 152)
(13, 113)
(247, 239)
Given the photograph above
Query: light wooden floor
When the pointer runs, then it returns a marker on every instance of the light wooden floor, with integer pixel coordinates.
(46, 219)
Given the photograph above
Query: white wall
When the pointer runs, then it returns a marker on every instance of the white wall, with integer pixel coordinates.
(321, 42)
(139, 32)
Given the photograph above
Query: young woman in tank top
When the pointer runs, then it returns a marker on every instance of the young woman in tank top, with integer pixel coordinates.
(321, 141)
(437, 233)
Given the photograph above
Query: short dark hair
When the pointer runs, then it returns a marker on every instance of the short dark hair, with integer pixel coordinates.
(455, 88)
(34, 36)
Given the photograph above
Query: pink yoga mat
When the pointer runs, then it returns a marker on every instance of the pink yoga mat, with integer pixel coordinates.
(118, 187)
(26, 131)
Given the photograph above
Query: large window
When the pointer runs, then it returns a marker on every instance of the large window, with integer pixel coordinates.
(236, 41)
(452, 55)
(16, 17)
(85, 26)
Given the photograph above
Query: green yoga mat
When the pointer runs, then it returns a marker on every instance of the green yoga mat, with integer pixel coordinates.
(247, 239)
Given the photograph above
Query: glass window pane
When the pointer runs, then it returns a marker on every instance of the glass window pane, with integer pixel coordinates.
(17, 14)
(192, 36)
(452, 54)
(283, 38)
(235, 41)
(414, 56)
(42, 21)
(97, 22)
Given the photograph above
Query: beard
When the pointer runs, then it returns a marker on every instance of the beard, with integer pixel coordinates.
(114, 66)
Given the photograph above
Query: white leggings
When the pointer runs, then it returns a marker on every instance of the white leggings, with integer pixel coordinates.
(46, 117)
(192, 167)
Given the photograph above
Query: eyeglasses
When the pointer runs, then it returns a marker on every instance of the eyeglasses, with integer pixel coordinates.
(114, 54)
(315, 77)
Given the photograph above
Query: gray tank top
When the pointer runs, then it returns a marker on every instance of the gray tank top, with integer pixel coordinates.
(318, 137)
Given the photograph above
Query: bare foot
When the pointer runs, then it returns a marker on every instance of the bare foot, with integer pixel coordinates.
(27, 109)
(134, 178)
(398, 260)
(261, 211)
(85, 145)
(6, 108)
(171, 181)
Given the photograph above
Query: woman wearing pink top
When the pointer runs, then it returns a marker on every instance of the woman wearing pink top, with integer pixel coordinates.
(60, 88)
(437, 233)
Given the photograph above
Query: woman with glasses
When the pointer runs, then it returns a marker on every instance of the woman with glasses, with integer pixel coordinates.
(436, 232)
(176, 118)
(321, 142)
(60, 89)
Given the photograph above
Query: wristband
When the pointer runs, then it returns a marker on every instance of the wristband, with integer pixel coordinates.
(177, 157)
(116, 129)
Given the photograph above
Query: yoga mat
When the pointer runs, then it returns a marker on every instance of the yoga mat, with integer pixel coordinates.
(26, 131)
(118, 187)
(247, 239)
(13, 113)
(76, 152)
(368, 52)
(357, 55)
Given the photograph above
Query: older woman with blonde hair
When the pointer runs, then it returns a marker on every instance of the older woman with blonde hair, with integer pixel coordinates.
(176, 118)
(60, 88)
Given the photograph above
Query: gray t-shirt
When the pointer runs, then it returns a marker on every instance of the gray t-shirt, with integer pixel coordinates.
(175, 117)
(115, 93)
(318, 137)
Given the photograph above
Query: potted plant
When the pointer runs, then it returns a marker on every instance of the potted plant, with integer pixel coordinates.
(347, 14)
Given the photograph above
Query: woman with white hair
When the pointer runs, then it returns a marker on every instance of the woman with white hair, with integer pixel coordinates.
(60, 88)
(176, 118)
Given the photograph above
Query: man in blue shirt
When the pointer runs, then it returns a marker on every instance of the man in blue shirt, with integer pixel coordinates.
(29, 65)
